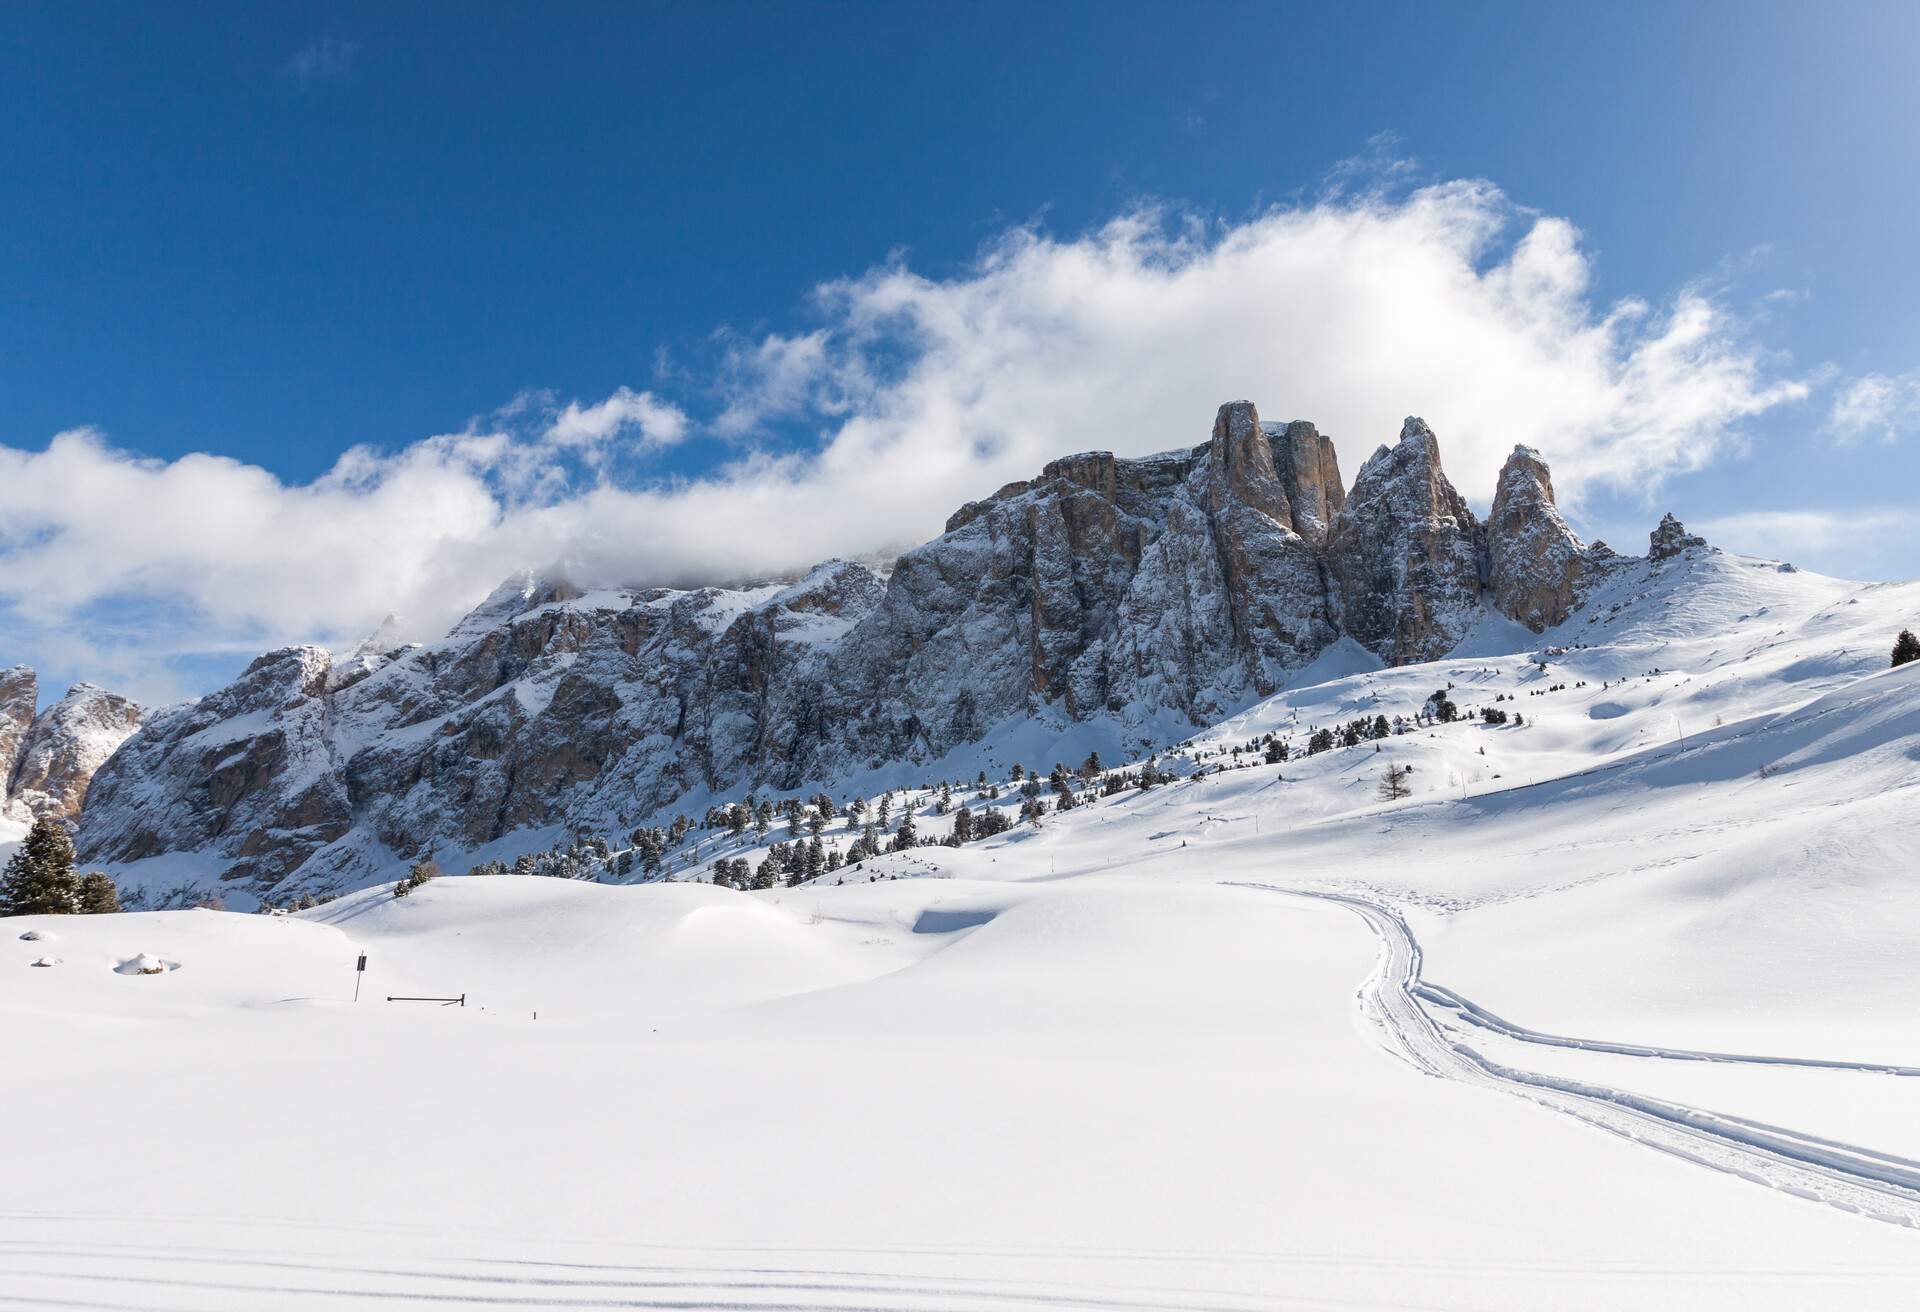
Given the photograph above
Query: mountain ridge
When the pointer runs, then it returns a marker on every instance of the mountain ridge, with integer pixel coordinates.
(1128, 600)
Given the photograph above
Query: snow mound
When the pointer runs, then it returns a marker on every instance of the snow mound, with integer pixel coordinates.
(145, 964)
(39, 936)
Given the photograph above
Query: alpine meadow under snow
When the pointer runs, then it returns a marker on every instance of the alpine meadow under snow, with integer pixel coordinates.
(1190, 882)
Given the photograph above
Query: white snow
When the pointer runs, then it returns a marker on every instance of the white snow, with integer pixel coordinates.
(1606, 1020)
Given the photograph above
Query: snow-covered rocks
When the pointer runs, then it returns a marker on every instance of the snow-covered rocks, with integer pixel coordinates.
(145, 964)
(38, 936)
(1670, 538)
(66, 746)
(19, 698)
(48, 759)
(44, 961)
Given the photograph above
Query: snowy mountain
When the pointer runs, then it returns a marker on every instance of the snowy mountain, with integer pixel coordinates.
(1419, 849)
(1252, 1036)
(1108, 603)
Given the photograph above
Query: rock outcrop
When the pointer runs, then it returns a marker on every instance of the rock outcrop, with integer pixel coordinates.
(1402, 554)
(1670, 538)
(1153, 594)
(50, 758)
(19, 699)
(1535, 563)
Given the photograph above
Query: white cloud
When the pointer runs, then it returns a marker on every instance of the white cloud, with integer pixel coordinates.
(329, 57)
(1879, 406)
(917, 394)
(590, 429)
(771, 379)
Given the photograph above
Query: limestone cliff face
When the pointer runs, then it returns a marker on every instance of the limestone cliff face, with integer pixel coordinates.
(19, 698)
(49, 758)
(1156, 594)
(1403, 555)
(1535, 563)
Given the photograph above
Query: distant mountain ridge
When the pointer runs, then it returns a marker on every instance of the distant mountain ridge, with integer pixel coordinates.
(1147, 596)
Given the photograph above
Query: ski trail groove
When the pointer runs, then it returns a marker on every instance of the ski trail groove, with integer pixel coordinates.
(1852, 1178)
(1474, 1014)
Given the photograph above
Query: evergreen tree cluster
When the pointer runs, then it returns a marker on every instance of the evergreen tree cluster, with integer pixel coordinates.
(422, 872)
(1905, 648)
(39, 878)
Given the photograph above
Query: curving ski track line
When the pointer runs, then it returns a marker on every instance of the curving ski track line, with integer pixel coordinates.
(1854, 1179)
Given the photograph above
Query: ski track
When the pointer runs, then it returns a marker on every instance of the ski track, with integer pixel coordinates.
(1854, 1179)
(95, 1275)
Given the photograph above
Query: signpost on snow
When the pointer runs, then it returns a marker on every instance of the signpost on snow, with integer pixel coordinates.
(359, 973)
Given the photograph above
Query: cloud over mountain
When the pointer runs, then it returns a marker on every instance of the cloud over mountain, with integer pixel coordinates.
(901, 396)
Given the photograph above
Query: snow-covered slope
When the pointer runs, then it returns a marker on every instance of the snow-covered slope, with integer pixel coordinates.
(1638, 1028)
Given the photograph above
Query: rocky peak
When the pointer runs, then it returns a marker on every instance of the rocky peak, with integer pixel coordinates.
(521, 592)
(1535, 563)
(1240, 465)
(1304, 459)
(1402, 554)
(68, 742)
(1671, 538)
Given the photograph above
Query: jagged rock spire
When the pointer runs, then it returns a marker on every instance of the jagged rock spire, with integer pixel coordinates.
(1402, 555)
(1534, 561)
(1671, 538)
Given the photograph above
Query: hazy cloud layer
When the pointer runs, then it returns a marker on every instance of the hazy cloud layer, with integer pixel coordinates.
(1877, 536)
(1877, 406)
(916, 394)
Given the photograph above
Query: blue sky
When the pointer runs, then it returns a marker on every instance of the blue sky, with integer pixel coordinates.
(273, 234)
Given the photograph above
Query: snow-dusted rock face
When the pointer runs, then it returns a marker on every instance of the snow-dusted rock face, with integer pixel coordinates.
(545, 706)
(19, 698)
(1160, 593)
(1670, 538)
(68, 743)
(49, 758)
(1403, 556)
(1104, 586)
(1535, 563)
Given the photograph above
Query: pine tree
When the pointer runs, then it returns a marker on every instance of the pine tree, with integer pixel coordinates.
(1394, 785)
(39, 877)
(1063, 789)
(1906, 648)
(963, 825)
(907, 836)
(98, 896)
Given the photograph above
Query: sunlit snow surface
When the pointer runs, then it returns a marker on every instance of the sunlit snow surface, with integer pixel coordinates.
(1083, 1067)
